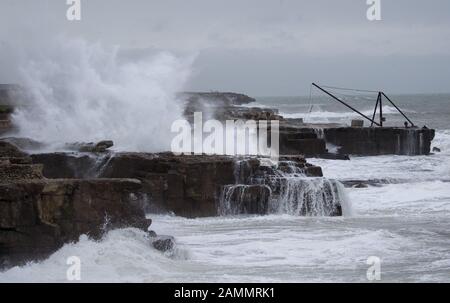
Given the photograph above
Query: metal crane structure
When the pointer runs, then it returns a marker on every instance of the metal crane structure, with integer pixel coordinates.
(378, 105)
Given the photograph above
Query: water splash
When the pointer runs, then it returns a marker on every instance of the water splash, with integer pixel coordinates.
(78, 91)
(244, 199)
(308, 197)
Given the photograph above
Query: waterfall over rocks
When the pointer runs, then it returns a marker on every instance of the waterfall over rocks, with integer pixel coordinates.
(282, 189)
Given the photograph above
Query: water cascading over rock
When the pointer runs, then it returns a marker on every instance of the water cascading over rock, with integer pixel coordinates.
(282, 189)
(203, 186)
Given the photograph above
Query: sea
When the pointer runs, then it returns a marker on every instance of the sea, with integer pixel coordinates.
(402, 221)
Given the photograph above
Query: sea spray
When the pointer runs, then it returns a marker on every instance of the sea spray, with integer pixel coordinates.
(78, 91)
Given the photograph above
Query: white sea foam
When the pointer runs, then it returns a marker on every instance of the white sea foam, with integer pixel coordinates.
(320, 116)
(258, 248)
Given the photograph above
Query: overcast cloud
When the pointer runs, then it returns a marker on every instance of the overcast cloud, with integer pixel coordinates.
(260, 47)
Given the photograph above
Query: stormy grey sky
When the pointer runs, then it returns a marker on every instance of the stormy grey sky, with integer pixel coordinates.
(259, 47)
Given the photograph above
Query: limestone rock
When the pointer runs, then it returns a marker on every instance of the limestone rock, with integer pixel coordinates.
(9, 150)
(68, 165)
(164, 243)
(37, 217)
(17, 172)
(24, 143)
(91, 147)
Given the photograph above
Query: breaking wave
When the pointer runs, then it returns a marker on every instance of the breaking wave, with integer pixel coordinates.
(78, 91)
(320, 115)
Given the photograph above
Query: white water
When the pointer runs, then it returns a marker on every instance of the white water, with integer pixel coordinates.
(317, 115)
(287, 190)
(78, 91)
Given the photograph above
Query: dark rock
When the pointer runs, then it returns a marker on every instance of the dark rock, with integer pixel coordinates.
(37, 217)
(152, 234)
(314, 171)
(5, 124)
(245, 199)
(332, 156)
(69, 165)
(436, 149)
(24, 143)
(164, 243)
(217, 98)
(103, 145)
(9, 150)
(192, 186)
(292, 158)
(20, 160)
(90, 147)
(186, 185)
(300, 141)
(361, 185)
(17, 172)
(367, 183)
(15, 165)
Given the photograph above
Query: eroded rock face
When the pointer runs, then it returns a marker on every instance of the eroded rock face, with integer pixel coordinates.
(17, 172)
(39, 216)
(10, 150)
(164, 243)
(68, 165)
(294, 187)
(24, 143)
(194, 186)
(15, 165)
(186, 185)
(217, 98)
(90, 147)
(245, 199)
(208, 185)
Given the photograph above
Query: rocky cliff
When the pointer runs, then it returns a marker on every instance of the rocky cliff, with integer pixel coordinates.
(38, 215)
(208, 185)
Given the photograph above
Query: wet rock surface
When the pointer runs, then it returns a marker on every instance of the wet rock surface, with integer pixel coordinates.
(300, 141)
(91, 147)
(26, 144)
(8, 149)
(193, 186)
(39, 215)
(186, 185)
(68, 165)
(163, 243)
